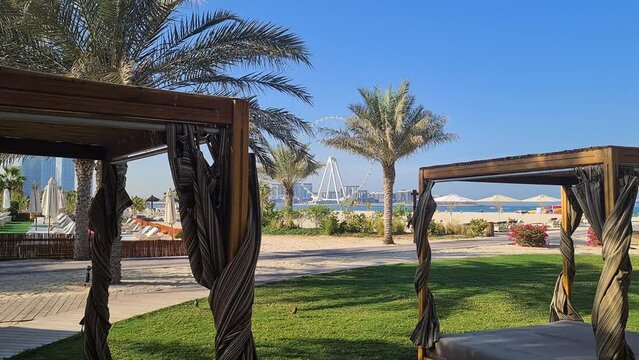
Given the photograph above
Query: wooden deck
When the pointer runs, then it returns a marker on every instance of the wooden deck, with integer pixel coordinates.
(46, 319)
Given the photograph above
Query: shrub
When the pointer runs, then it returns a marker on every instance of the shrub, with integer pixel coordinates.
(269, 214)
(477, 227)
(593, 239)
(398, 224)
(529, 235)
(354, 223)
(330, 226)
(317, 214)
(269, 230)
(453, 227)
(436, 228)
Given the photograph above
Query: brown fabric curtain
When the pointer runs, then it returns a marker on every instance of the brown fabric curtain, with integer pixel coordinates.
(561, 307)
(426, 333)
(610, 308)
(204, 208)
(104, 217)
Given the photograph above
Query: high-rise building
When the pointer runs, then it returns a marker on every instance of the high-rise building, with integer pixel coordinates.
(65, 173)
(40, 169)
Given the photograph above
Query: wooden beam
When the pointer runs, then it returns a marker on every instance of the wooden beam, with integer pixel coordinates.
(515, 165)
(112, 109)
(239, 177)
(51, 148)
(531, 179)
(611, 183)
(18, 87)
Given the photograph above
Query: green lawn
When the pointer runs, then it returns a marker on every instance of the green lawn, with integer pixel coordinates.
(360, 314)
(20, 227)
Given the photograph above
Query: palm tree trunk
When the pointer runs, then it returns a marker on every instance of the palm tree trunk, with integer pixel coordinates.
(389, 181)
(116, 249)
(288, 207)
(98, 173)
(83, 173)
(288, 198)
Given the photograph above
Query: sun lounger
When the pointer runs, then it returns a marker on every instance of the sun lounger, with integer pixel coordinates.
(152, 233)
(553, 222)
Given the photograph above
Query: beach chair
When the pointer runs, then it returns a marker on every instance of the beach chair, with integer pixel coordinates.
(553, 222)
(68, 229)
(149, 235)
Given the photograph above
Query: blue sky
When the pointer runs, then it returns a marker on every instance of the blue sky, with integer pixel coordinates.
(513, 77)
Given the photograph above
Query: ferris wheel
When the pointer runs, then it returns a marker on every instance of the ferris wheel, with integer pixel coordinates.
(332, 175)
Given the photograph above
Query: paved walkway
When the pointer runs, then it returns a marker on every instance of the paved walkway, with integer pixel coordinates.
(153, 284)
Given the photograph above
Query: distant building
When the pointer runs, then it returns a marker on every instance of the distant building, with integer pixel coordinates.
(403, 196)
(65, 173)
(301, 192)
(350, 191)
(39, 169)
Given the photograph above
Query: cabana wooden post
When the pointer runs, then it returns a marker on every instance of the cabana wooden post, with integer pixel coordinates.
(50, 115)
(559, 168)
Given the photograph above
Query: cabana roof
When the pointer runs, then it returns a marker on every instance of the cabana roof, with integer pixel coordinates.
(50, 115)
(553, 168)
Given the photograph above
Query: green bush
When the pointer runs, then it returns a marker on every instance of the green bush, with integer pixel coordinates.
(270, 230)
(317, 214)
(436, 228)
(331, 225)
(398, 224)
(354, 223)
(477, 227)
(269, 214)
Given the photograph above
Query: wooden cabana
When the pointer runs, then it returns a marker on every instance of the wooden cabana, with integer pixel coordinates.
(60, 116)
(600, 183)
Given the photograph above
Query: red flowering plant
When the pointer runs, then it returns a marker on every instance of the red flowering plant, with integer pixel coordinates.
(593, 239)
(529, 235)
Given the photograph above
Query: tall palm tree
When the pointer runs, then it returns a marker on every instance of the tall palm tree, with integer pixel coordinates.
(11, 178)
(152, 43)
(387, 127)
(289, 168)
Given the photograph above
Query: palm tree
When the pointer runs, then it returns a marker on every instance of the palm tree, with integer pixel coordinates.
(289, 168)
(138, 205)
(11, 178)
(152, 44)
(387, 127)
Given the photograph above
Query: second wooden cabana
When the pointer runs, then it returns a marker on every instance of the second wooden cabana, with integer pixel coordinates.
(600, 183)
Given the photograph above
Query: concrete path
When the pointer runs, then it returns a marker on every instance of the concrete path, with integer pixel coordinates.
(156, 283)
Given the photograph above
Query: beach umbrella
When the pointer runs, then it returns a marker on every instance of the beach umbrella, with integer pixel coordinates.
(35, 206)
(452, 201)
(6, 199)
(542, 200)
(62, 199)
(50, 206)
(152, 199)
(170, 214)
(498, 200)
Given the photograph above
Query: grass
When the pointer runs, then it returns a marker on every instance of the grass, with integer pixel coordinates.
(20, 227)
(366, 313)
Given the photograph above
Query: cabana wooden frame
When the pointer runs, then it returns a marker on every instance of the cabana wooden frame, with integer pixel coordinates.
(555, 168)
(50, 115)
